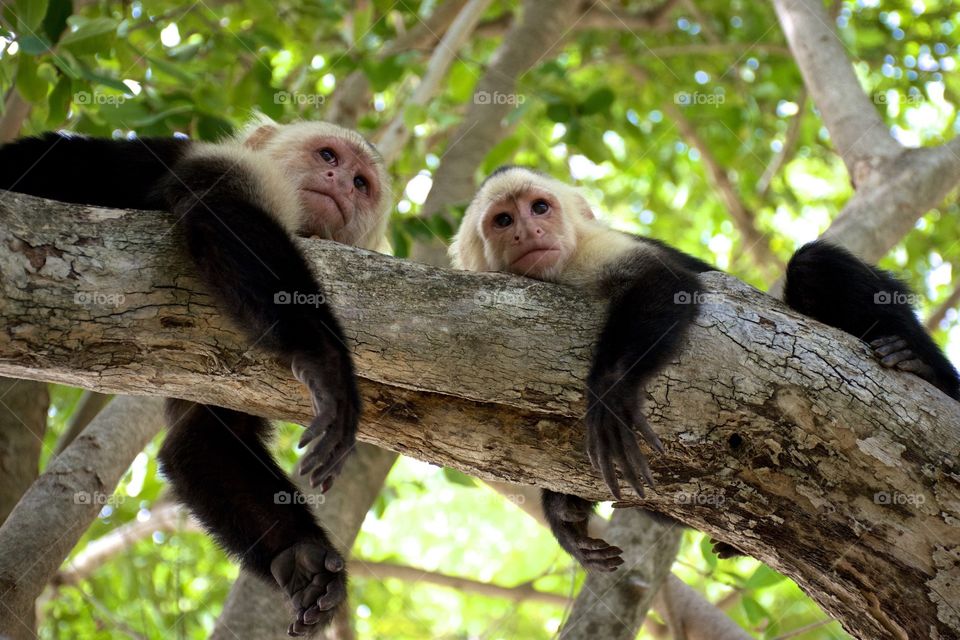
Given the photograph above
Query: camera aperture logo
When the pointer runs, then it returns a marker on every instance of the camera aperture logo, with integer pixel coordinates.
(298, 298)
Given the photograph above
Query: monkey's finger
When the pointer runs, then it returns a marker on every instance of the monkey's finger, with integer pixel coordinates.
(883, 340)
(594, 544)
(336, 592)
(326, 412)
(896, 358)
(320, 454)
(648, 433)
(636, 463)
(890, 347)
(918, 367)
(606, 465)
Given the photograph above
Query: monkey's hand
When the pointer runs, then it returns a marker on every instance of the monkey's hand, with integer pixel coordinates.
(313, 577)
(568, 517)
(336, 405)
(895, 353)
(614, 409)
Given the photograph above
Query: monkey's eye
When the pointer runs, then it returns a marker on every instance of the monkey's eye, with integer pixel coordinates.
(539, 207)
(328, 155)
(502, 220)
(361, 184)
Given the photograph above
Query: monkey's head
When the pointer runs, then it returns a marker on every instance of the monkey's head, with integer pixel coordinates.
(521, 222)
(340, 179)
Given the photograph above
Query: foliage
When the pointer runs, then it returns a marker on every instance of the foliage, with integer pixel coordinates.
(118, 68)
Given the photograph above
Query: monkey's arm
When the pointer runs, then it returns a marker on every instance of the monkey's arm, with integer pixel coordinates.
(829, 284)
(264, 284)
(106, 173)
(652, 304)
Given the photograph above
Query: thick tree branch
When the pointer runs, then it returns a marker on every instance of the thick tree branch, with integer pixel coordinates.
(859, 133)
(783, 436)
(56, 510)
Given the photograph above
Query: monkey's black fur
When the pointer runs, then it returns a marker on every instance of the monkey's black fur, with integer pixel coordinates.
(216, 458)
(653, 298)
(829, 284)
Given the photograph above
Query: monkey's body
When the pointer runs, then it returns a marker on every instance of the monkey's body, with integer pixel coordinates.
(526, 223)
(239, 210)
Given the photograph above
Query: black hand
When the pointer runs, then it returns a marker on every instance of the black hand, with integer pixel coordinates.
(895, 353)
(313, 577)
(615, 408)
(568, 517)
(336, 404)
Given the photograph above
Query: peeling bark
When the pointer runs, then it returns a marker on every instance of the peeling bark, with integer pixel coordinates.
(783, 436)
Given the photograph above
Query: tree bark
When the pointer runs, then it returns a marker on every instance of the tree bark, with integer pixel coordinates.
(23, 422)
(614, 605)
(783, 437)
(56, 510)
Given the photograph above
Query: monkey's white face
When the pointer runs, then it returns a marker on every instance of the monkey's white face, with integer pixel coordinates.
(525, 234)
(338, 185)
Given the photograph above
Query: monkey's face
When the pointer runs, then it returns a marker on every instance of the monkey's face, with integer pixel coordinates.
(525, 233)
(339, 187)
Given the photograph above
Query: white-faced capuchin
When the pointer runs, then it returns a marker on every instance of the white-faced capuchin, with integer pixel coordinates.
(241, 202)
(529, 224)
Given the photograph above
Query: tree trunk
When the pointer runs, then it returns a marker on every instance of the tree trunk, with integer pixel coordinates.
(783, 437)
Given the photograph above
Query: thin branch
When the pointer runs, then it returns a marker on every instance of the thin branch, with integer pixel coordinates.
(15, 112)
(856, 128)
(397, 132)
(933, 322)
(89, 406)
(787, 150)
(753, 240)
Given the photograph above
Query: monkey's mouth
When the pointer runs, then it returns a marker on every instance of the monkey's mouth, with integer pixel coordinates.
(535, 257)
(326, 207)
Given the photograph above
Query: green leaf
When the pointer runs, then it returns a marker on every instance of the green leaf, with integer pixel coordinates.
(362, 18)
(400, 242)
(96, 76)
(384, 73)
(593, 146)
(30, 15)
(559, 112)
(55, 22)
(599, 100)
(706, 550)
(31, 86)
(755, 612)
(90, 36)
(764, 576)
(456, 477)
(211, 127)
(33, 46)
(59, 101)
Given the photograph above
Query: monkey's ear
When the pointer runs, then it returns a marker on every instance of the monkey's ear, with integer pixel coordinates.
(583, 207)
(466, 250)
(258, 137)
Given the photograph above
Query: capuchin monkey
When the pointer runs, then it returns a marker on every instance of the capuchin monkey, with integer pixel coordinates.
(529, 224)
(240, 203)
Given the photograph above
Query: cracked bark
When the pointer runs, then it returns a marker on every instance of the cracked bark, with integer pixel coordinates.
(783, 436)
